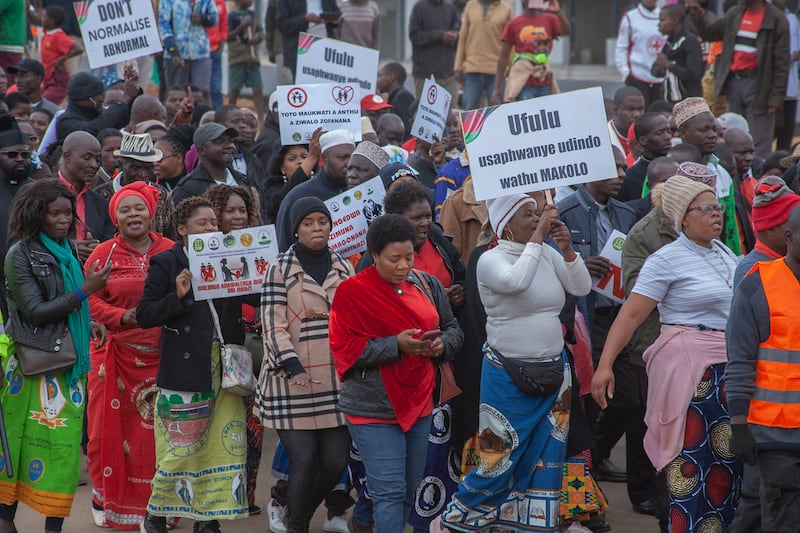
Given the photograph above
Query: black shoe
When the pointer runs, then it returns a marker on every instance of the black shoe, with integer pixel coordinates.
(605, 470)
(207, 527)
(153, 524)
(254, 509)
(647, 507)
(596, 524)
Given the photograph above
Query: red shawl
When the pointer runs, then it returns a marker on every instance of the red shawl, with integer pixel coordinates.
(409, 382)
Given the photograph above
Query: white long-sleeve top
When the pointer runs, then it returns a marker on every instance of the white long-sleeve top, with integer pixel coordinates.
(522, 289)
(792, 85)
(638, 44)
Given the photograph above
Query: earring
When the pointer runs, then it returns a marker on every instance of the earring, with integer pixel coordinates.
(511, 238)
(295, 235)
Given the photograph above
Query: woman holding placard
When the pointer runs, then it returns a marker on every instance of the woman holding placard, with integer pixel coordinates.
(199, 427)
(235, 210)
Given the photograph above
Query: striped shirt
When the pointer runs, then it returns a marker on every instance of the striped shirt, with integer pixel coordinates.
(744, 49)
(692, 285)
(361, 24)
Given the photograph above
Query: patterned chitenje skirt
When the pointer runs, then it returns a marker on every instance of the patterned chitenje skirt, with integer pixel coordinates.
(521, 446)
(704, 480)
(581, 497)
(201, 447)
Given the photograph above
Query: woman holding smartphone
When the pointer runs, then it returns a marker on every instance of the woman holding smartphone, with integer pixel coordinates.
(387, 370)
(122, 382)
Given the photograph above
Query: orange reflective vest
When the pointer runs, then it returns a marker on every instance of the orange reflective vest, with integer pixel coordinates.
(776, 400)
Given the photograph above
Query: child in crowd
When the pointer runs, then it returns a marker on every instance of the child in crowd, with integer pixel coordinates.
(244, 33)
(57, 48)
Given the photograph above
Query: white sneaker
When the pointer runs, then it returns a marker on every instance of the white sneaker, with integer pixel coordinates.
(99, 517)
(576, 527)
(337, 524)
(277, 517)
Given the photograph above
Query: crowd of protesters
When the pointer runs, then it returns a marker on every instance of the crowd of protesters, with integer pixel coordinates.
(459, 374)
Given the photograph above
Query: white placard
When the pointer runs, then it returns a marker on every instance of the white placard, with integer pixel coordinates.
(431, 117)
(304, 108)
(610, 285)
(537, 144)
(114, 31)
(231, 265)
(352, 212)
(323, 60)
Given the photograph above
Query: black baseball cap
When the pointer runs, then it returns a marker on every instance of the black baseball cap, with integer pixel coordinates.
(28, 65)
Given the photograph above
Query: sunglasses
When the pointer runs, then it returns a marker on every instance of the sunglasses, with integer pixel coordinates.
(707, 209)
(13, 154)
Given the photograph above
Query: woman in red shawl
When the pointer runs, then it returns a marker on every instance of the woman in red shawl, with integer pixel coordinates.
(122, 384)
(384, 354)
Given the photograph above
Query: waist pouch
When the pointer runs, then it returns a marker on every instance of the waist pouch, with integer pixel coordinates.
(537, 378)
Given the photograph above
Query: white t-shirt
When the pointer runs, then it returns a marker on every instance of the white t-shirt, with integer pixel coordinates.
(688, 289)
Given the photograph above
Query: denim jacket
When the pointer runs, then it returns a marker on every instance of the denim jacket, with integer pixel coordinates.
(178, 34)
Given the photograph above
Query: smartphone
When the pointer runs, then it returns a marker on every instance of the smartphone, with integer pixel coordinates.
(330, 16)
(110, 253)
(538, 4)
(431, 335)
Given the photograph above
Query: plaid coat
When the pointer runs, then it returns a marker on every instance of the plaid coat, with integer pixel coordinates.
(294, 315)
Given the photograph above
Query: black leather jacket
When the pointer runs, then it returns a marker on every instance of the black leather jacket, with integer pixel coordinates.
(37, 304)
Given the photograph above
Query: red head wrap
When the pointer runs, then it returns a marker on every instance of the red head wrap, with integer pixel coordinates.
(146, 192)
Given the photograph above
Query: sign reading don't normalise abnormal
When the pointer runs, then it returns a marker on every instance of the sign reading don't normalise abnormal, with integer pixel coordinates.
(114, 31)
(538, 144)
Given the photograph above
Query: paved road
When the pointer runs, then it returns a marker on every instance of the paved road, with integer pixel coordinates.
(620, 515)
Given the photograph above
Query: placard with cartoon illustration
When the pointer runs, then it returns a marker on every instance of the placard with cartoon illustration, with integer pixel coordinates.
(352, 213)
(233, 264)
(304, 108)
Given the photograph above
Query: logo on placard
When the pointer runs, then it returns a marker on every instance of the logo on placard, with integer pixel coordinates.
(304, 43)
(618, 243)
(357, 195)
(297, 97)
(433, 93)
(198, 245)
(346, 200)
(297, 137)
(213, 243)
(335, 207)
(81, 11)
(246, 239)
(263, 238)
(343, 95)
(229, 241)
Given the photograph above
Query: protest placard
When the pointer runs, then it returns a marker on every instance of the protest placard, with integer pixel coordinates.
(304, 108)
(231, 265)
(323, 60)
(610, 285)
(434, 105)
(546, 142)
(353, 211)
(114, 31)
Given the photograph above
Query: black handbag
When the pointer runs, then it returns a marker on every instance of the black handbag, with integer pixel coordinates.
(537, 378)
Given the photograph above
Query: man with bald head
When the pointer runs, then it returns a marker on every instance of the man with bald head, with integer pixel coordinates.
(80, 161)
(741, 145)
(654, 136)
(762, 376)
(390, 130)
(146, 107)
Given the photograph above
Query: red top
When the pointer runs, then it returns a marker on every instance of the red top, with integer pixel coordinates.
(80, 206)
(218, 33)
(55, 44)
(532, 34)
(744, 49)
(429, 260)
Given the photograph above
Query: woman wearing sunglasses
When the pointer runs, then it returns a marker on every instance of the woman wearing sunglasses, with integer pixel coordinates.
(688, 425)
